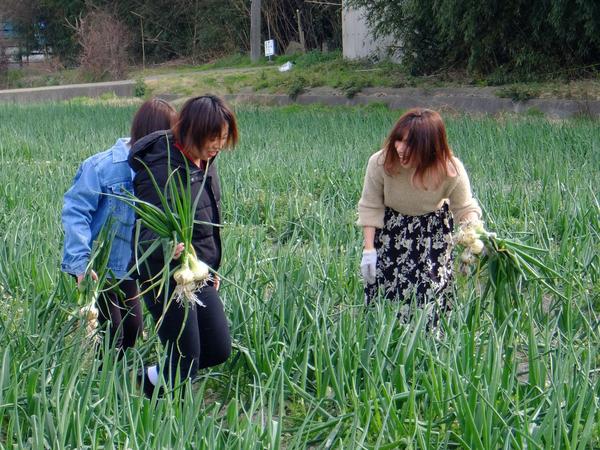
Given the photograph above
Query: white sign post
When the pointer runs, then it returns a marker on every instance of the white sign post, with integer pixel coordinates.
(269, 48)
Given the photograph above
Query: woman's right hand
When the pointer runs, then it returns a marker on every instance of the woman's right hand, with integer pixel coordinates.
(81, 276)
(178, 250)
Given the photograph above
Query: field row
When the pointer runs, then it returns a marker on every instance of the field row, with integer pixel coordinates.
(312, 367)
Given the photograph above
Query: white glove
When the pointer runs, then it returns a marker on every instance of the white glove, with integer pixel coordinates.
(368, 265)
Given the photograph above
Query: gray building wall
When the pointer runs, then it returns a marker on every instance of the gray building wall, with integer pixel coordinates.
(357, 38)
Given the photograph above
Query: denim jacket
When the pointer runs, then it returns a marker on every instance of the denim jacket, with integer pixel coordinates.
(86, 208)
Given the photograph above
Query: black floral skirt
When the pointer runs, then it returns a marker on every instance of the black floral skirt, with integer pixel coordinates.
(414, 261)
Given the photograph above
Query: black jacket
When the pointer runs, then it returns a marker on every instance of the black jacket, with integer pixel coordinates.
(159, 154)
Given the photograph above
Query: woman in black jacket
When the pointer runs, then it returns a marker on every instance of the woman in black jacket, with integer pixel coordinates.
(196, 337)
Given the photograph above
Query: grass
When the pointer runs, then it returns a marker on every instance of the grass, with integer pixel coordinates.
(236, 73)
(311, 367)
(40, 74)
(315, 69)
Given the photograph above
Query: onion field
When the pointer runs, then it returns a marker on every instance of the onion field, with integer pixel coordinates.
(311, 366)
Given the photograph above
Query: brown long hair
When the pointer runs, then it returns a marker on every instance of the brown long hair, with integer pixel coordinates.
(427, 150)
(201, 119)
(154, 115)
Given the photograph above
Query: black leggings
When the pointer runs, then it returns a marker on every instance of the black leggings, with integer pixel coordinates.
(124, 315)
(194, 341)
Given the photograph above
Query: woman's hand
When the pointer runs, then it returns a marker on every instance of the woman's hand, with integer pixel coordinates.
(81, 276)
(470, 217)
(216, 281)
(178, 250)
(368, 265)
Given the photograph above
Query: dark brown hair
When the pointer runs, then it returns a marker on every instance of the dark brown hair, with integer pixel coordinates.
(202, 119)
(154, 115)
(427, 150)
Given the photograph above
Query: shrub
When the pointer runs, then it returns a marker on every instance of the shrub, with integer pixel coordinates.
(296, 87)
(519, 39)
(352, 87)
(104, 41)
(518, 93)
(141, 88)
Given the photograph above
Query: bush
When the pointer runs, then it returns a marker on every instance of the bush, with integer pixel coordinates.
(141, 88)
(352, 87)
(104, 41)
(296, 87)
(515, 40)
(518, 93)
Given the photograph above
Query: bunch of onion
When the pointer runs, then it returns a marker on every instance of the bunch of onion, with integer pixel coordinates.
(191, 275)
(508, 261)
(470, 237)
(89, 313)
(90, 286)
(173, 222)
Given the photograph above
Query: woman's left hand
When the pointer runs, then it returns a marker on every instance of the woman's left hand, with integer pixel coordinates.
(216, 281)
(368, 266)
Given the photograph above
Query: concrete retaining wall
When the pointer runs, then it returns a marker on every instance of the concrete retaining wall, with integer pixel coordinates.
(57, 93)
(469, 100)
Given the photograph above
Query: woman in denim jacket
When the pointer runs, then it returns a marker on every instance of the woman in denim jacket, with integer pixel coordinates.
(87, 207)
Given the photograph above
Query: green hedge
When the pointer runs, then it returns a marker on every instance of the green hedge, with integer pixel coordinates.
(505, 39)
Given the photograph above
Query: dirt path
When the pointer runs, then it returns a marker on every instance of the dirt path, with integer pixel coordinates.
(223, 71)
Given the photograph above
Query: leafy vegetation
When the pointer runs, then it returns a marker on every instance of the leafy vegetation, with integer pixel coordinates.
(141, 88)
(513, 41)
(161, 30)
(312, 367)
(235, 74)
(350, 77)
(518, 93)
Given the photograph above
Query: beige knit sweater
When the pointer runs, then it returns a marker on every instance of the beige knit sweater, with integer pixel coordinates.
(397, 192)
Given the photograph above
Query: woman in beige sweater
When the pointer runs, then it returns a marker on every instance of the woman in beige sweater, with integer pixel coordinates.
(413, 189)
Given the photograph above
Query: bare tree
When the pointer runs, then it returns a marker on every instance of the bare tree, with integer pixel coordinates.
(242, 9)
(104, 42)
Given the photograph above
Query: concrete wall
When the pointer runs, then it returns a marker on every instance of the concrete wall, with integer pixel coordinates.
(468, 100)
(57, 93)
(357, 38)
